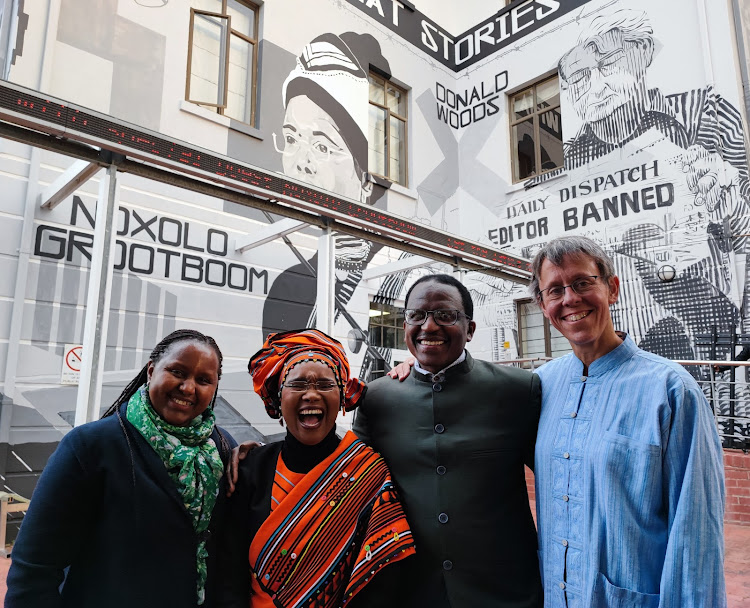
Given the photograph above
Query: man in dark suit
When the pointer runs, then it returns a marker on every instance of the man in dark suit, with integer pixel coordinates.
(456, 435)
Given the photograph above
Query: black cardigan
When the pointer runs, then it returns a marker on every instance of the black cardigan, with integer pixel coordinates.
(106, 507)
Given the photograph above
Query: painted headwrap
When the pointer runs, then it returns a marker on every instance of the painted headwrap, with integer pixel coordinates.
(330, 74)
(282, 351)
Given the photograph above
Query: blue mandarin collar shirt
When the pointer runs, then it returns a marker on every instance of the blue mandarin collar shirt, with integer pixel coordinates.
(629, 485)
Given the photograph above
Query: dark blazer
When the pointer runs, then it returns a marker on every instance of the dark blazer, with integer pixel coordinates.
(457, 450)
(106, 507)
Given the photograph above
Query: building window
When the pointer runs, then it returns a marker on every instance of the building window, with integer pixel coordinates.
(536, 129)
(386, 326)
(387, 140)
(536, 336)
(223, 57)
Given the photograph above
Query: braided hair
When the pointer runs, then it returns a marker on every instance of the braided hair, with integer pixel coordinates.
(181, 335)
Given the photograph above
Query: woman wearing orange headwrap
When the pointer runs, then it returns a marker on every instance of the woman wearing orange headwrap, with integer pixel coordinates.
(313, 516)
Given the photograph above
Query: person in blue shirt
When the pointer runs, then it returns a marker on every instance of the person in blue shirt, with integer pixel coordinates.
(628, 463)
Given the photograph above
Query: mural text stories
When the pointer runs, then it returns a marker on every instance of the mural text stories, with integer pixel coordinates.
(157, 246)
(501, 29)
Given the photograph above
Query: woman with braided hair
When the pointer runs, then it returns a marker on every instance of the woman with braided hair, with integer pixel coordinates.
(123, 513)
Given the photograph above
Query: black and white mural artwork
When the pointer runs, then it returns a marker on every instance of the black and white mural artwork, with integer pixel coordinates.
(323, 142)
(650, 162)
(660, 178)
(658, 175)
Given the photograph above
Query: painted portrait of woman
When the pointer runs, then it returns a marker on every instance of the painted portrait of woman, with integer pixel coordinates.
(323, 143)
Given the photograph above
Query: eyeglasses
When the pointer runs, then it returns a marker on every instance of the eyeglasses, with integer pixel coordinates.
(580, 286)
(446, 316)
(321, 150)
(580, 81)
(301, 386)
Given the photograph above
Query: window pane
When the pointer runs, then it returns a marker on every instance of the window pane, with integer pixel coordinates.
(377, 90)
(548, 94)
(398, 151)
(559, 344)
(551, 139)
(377, 147)
(207, 61)
(396, 100)
(523, 104)
(243, 18)
(523, 142)
(532, 330)
(240, 91)
(212, 6)
(389, 337)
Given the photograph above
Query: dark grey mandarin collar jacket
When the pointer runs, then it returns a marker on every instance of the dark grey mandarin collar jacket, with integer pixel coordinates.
(457, 450)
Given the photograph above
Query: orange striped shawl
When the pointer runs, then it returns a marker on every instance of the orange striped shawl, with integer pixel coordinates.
(334, 531)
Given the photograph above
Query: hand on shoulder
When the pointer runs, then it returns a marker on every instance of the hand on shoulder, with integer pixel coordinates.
(402, 370)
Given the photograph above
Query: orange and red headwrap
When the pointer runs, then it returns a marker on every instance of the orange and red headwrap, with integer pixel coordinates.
(281, 351)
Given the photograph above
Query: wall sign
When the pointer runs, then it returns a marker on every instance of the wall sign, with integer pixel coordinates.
(506, 27)
(71, 364)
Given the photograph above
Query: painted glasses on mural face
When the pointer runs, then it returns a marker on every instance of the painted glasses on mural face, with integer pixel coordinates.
(605, 75)
(314, 151)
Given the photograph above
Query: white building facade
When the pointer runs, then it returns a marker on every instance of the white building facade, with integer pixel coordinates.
(506, 125)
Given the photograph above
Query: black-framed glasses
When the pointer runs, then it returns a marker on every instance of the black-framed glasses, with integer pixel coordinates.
(581, 286)
(443, 316)
(300, 386)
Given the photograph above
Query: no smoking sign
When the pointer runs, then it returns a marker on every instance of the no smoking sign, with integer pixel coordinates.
(71, 367)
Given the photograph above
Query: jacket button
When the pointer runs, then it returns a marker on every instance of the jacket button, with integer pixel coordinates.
(443, 518)
(439, 428)
(437, 387)
(562, 585)
(566, 455)
(447, 565)
(441, 470)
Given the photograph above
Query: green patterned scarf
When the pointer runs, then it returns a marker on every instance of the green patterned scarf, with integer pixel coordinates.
(192, 461)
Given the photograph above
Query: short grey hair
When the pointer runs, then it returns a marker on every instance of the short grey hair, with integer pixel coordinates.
(634, 26)
(576, 246)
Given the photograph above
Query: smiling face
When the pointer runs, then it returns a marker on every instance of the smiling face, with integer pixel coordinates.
(437, 346)
(183, 381)
(310, 414)
(314, 151)
(584, 320)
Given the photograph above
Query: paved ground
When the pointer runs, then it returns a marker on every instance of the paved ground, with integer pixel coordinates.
(737, 567)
